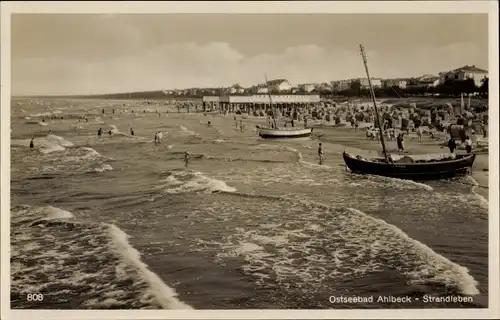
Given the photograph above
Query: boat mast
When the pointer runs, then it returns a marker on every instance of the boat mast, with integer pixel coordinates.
(374, 102)
(268, 92)
(270, 98)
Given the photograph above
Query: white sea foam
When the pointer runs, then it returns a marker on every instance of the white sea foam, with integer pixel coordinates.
(331, 244)
(482, 200)
(166, 296)
(187, 131)
(438, 268)
(102, 168)
(52, 143)
(56, 213)
(192, 181)
(51, 247)
(113, 129)
(47, 144)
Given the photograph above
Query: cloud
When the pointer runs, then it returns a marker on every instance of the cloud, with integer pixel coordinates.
(189, 64)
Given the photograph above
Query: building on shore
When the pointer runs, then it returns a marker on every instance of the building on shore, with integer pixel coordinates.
(425, 81)
(307, 87)
(397, 82)
(376, 82)
(464, 73)
(260, 103)
(279, 85)
(257, 89)
(340, 85)
(237, 88)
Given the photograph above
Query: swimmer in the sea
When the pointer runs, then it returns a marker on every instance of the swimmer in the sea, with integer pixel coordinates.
(32, 143)
(131, 131)
(186, 159)
(99, 132)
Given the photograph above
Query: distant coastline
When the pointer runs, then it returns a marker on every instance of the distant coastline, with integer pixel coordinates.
(160, 95)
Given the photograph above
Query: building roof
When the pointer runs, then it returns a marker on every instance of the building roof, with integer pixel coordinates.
(237, 86)
(472, 68)
(276, 81)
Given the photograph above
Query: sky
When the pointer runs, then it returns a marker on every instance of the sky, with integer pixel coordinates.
(58, 54)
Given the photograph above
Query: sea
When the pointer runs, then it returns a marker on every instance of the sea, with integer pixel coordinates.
(121, 222)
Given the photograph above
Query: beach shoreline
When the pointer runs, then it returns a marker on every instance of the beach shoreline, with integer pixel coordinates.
(353, 139)
(348, 137)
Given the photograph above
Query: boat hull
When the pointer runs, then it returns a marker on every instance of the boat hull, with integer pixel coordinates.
(284, 134)
(412, 171)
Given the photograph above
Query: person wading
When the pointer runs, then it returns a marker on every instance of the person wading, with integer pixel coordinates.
(468, 145)
(32, 143)
(320, 153)
(452, 144)
(186, 159)
(400, 142)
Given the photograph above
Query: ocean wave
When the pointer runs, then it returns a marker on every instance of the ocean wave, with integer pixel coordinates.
(280, 148)
(375, 181)
(188, 132)
(184, 181)
(102, 168)
(484, 203)
(318, 245)
(89, 265)
(48, 144)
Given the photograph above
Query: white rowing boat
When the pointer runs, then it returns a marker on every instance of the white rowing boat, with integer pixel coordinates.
(268, 133)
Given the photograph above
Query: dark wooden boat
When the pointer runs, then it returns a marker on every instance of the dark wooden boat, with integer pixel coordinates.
(413, 170)
(418, 170)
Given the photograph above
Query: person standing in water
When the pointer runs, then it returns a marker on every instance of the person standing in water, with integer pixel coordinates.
(99, 132)
(468, 144)
(452, 144)
(156, 137)
(400, 142)
(320, 153)
(132, 132)
(186, 159)
(32, 143)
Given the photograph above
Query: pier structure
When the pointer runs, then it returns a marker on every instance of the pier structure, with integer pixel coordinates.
(262, 105)
(210, 103)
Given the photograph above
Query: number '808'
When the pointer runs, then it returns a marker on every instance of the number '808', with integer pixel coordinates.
(34, 297)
